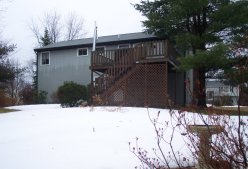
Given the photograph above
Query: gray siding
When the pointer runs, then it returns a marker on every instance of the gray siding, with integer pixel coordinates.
(64, 65)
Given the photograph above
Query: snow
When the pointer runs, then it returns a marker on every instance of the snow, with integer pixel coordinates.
(51, 137)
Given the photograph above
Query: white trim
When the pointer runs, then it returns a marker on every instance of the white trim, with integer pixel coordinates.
(82, 49)
(49, 58)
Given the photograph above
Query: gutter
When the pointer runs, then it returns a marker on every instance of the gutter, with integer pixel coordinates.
(37, 69)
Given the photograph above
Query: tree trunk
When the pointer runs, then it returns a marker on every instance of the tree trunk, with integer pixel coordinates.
(199, 89)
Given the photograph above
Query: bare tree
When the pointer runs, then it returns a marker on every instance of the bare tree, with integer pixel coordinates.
(225, 150)
(52, 21)
(74, 28)
(15, 85)
(35, 29)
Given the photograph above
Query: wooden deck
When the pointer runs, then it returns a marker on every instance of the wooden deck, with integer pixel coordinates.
(114, 66)
(124, 57)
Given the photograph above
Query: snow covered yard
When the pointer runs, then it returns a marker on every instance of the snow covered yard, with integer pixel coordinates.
(50, 137)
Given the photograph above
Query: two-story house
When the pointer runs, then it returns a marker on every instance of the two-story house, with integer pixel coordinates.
(135, 69)
(216, 89)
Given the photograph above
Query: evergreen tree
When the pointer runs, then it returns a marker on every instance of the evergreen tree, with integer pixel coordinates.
(6, 72)
(46, 39)
(38, 96)
(197, 26)
(237, 73)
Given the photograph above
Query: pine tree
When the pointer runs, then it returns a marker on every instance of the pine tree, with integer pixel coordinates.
(204, 27)
(6, 72)
(46, 39)
(237, 73)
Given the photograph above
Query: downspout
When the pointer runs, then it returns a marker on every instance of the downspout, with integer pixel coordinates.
(37, 66)
(91, 86)
(91, 89)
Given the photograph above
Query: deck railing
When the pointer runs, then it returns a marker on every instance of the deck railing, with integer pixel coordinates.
(147, 50)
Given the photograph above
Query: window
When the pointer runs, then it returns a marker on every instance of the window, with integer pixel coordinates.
(223, 89)
(45, 58)
(102, 48)
(123, 46)
(82, 52)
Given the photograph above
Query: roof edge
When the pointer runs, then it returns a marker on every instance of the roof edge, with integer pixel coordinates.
(148, 37)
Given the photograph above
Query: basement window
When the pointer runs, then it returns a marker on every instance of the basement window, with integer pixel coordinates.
(82, 52)
(45, 58)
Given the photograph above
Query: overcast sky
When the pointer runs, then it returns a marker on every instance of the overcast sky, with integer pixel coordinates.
(111, 16)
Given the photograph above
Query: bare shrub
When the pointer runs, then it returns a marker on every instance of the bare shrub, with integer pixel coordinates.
(227, 149)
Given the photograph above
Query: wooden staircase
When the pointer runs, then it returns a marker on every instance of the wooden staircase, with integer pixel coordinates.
(113, 67)
(117, 83)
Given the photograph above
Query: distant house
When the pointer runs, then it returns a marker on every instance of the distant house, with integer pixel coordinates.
(216, 89)
(135, 69)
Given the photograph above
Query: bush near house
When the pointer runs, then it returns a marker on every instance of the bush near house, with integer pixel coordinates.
(70, 93)
(31, 96)
(5, 100)
(41, 97)
(27, 95)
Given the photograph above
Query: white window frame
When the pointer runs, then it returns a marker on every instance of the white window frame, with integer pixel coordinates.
(82, 49)
(49, 59)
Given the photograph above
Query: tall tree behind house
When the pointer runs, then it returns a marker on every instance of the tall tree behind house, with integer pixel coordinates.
(197, 26)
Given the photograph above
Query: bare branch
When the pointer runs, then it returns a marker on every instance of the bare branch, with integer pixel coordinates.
(36, 31)
(51, 21)
(74, 27)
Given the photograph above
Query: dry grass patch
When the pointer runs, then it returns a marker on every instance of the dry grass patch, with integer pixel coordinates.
(218, 110)
(242, 108)
(4, 110)
(233, 110)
